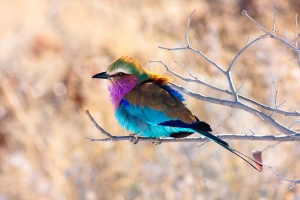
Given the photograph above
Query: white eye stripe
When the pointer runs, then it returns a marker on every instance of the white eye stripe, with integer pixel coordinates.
(120, 70)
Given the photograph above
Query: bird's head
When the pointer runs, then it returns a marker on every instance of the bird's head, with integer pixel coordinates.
(125, 69)
(124, 74)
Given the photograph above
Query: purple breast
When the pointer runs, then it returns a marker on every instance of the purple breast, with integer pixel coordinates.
(120, 87)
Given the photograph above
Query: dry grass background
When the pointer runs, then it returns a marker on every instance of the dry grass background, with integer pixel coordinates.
(50, 49)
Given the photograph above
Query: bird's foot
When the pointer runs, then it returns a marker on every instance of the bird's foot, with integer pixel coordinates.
(135, 138)
(157, 141)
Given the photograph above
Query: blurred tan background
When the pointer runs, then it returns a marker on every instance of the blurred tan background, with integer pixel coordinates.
(49, 51)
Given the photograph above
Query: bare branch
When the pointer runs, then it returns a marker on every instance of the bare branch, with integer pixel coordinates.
(285, 181)
(271, 34)
(284, 138)
(292, 59)
(244, 48)
(262, 106)
(189, 139)
(172, 72)
(187, 29)
(274, 19)
(244, 12)
(112, 138)
(276, 96)
(229, 79)
(269, 138)
(188, 46)
(187, 69)
(238, 105)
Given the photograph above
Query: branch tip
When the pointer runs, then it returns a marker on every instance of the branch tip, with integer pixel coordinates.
(88, 138)
(192, 13)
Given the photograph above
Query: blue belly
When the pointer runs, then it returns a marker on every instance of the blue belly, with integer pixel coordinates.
(144, 121)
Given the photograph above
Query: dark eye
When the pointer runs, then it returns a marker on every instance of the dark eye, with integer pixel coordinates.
(121, 74)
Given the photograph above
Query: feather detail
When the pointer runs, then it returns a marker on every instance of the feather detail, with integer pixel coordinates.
(158, 79)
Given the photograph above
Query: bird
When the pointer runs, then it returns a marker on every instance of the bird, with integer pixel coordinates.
(147, 105)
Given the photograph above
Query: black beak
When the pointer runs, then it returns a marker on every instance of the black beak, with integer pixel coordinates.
(102, 75)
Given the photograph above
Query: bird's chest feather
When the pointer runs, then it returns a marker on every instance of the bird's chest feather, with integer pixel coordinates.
(120, 87)
(128, 120)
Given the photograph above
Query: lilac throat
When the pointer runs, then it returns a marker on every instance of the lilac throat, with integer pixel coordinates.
(121, 87)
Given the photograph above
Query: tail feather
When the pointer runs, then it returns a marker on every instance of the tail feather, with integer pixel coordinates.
(226, 146)
(203, 128)
(212, 137)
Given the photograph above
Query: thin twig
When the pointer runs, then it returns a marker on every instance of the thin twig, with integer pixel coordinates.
(290, 182)
(247, 41)
(189, 47)
(200, 145)
(271, 146)
(290, 58)
(293, 123)
(245, 48)
(187, 29)
(187, 69)
(244, 12)
(112, 138)
(249, 130)
(276, 94)
(271, 34)
(241, 86)
(221, 123)
(274, 19)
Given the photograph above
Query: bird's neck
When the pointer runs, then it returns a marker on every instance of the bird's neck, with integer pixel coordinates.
(121, 87)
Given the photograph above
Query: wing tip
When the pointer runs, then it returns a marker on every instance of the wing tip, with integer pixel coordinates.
(203, 126)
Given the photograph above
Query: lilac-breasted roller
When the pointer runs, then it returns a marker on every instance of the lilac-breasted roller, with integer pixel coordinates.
(147, 105)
